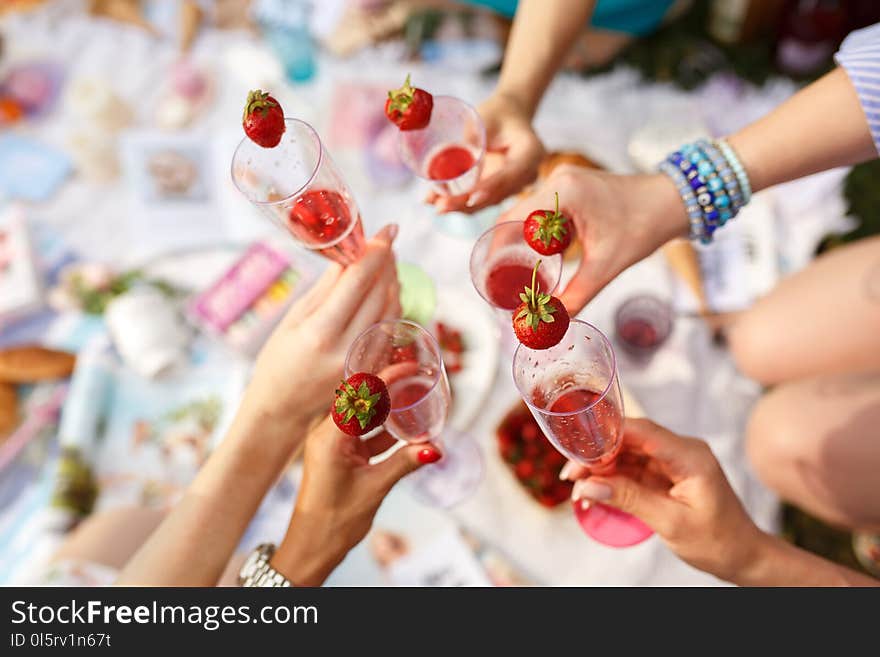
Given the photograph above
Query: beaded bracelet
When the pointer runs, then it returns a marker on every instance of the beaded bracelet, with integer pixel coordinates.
(712, 183)
(725, 173)
(738, 169)
(694, 212)
(706, 198)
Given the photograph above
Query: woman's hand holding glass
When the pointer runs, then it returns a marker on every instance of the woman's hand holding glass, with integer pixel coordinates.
(510, 137)
(619, 220)
(339, 496)
(302, 362)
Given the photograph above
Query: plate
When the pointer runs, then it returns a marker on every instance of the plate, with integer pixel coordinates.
(482, 339)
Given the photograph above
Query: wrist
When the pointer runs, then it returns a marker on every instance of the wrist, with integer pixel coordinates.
(522, 103)
(660, 211)
(272, 424)
(753, 561)
(309, 552)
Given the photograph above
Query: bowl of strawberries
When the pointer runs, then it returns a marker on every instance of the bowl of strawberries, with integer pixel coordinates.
(532, 458)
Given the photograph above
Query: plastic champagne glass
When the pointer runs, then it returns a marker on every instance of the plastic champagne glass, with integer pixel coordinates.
(573, 392)
(408, 359)
(298, 187)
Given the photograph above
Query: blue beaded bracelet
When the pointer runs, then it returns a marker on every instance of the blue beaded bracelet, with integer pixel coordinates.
(738, 169)
(706, 198)
(726, 176)
(694, 212)
(712, 183)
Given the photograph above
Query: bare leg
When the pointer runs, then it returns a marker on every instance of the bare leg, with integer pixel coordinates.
(817, 443)
(110, 538)
(822, 320)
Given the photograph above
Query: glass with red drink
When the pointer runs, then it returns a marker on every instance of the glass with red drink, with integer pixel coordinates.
(502, 263)
(408, 359)
(501, 267)
(573, 392)
(643, 323)
(449, 151)
(297, 185)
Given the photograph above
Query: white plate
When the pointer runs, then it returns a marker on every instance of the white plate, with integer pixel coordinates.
(463, 310)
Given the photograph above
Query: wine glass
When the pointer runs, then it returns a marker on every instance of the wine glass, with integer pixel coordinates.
(408, 359)
(449, 151)
(501, 267)
(299, 188)
(573, 392)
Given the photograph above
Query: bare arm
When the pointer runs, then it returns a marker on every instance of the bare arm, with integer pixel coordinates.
(777, 563)
(543, 32)
(294, 378)
(194, 543)
(819, 128)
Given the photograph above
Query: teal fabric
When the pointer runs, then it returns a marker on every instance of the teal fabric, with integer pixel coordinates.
(636, 17)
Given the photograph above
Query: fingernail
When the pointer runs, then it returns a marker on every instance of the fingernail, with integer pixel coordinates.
(593, 490)
(565, 473)
(475, 199)
(392, 231)
(429, 455)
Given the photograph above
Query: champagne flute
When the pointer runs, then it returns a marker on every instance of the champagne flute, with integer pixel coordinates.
(449, 151)
(408, 359)
(501, 267)
(572, 390)
(298, 187)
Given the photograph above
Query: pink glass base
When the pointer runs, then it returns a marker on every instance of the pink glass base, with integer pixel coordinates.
(611, 527)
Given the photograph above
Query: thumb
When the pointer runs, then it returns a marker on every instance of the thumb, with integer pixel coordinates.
(582, 287)
(406, 460)
(649, 505)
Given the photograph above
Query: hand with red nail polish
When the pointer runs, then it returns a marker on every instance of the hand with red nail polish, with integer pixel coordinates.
(429, 455)
(341, 492)
(293, 389)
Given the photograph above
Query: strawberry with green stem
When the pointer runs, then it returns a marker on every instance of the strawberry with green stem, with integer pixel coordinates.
(362, 403)
(548, 231)
(408, 107)
(540, 321)
(263, 119)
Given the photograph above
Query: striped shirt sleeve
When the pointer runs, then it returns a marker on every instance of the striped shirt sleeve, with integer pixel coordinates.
(859, 55)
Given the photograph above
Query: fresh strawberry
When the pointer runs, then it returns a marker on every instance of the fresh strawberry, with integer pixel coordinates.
(530, 432)
(404, 353)
(548, 500)
(263, 119)
(409, 108)
(362, 403)
(525, 469)
(540, 321)
(449, 339)
(548, 231)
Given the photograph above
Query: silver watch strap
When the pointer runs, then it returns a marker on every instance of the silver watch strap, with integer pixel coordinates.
(257, 571)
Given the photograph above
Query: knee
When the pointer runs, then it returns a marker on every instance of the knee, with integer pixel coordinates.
(772, 444)
(752, 348)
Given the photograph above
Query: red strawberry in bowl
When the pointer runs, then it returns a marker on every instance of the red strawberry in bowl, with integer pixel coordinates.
(362, 403)
(263, 119)
(548, 231)
(409, 108)
(540, 321)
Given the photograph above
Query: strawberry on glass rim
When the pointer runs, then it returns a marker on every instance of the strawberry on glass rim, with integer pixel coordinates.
(362, 403)
(540, 321)
(548, 231)
(408, 107)
(263, 119)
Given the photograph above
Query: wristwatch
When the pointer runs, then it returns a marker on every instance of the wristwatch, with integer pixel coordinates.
(257, 571)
